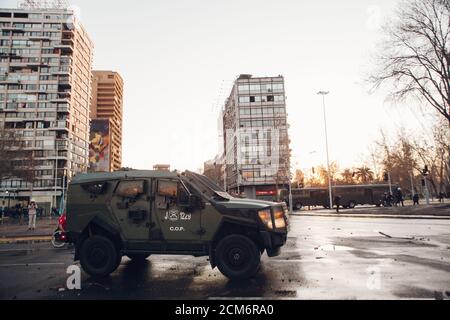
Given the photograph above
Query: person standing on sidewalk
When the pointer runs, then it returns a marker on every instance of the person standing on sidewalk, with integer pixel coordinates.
(416, 199)
(337, 202)
(32, 211)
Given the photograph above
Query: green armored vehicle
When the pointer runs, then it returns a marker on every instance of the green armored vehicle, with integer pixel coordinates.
(139, 213)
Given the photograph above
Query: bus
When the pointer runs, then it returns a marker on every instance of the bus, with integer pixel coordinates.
(351, 195)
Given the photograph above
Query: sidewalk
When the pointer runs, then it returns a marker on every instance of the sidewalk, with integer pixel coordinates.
(434, 211)
(12, 231)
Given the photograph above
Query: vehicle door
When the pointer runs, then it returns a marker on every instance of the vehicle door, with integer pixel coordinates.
(177, 217)
(130, 204)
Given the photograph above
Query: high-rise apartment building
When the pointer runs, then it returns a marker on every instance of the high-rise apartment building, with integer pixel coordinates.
(107, 119)
(45, 90)
(255, 137)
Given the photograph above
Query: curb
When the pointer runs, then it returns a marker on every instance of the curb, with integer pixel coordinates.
(34, 239)
(380, 216)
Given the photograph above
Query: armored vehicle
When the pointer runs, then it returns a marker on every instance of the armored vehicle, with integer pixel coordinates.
(139, 213)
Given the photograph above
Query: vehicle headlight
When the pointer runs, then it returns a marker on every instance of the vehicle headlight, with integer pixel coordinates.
(266, 217)
(280, 221)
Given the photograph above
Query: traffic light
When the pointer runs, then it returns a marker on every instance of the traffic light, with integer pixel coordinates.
(423, 182)
(425, 170)
(386, 176)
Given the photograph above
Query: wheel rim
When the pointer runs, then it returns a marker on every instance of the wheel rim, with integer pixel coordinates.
(237, 257)
(298, 206)
(98, 257)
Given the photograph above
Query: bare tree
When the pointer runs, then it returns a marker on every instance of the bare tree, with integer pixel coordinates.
(11, 146)
(16, 161)
(414, 60)
(408, 154)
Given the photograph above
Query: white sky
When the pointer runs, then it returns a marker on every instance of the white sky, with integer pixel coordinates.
(179, 59)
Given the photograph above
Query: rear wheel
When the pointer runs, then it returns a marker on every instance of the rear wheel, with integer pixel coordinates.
(352, 204)
(138, 257)
(237, 257)
(298, 206)
(98, 256)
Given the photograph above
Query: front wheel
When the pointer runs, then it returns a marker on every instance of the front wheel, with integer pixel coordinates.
(298, 206)
(99, 256)
(237, 257)
(56, 240)
(352, 204)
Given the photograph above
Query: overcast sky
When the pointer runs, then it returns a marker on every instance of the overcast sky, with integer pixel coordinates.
(179, 59)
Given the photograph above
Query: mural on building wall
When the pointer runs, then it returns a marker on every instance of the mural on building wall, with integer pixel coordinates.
(99, 148)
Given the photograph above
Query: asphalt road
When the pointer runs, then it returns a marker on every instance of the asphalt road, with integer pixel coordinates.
(325, 258)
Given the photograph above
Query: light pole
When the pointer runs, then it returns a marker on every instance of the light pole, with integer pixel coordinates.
(323, 94)
(425, 173)
(3, 204)
(56, 172)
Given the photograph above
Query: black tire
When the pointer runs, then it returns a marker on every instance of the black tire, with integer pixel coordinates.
(237, 257)
(298, 206)
(139, 257)
(352, 204)
(98, 256)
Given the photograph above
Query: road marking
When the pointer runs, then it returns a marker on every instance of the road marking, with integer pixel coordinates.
(32, 264)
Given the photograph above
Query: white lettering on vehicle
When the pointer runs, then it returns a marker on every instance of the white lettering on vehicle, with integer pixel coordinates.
(176, 229)
(175, 215)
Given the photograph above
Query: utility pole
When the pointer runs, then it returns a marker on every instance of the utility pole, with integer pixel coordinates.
(323, 94)
(427, 193)
(56, 172)
(3, 204)
(390, 182)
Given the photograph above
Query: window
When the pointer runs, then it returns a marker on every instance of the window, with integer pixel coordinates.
(244, 111)
(243, 88)
(270, 98)
(277, 87)
(168, 188)
(252, 99)
(279, 98)
(130, 189)
(95, 188)
(244, 99)
(256, 112)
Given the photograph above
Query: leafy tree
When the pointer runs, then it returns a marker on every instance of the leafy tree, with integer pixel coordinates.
(364, 175)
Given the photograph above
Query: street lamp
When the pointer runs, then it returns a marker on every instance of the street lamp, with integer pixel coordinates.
(323, 94)
(3, 204)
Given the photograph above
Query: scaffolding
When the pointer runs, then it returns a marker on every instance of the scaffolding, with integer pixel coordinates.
(43, 4)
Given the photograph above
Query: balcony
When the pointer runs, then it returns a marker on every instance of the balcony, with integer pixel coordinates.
(63, 108)
(62, 144)
(61, 100)
(13, 28)
(60, 125)
(9, 80)
(39, 38)
(65, 48)
(64, 83)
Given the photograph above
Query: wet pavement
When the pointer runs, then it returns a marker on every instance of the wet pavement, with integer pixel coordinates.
(325, 258)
